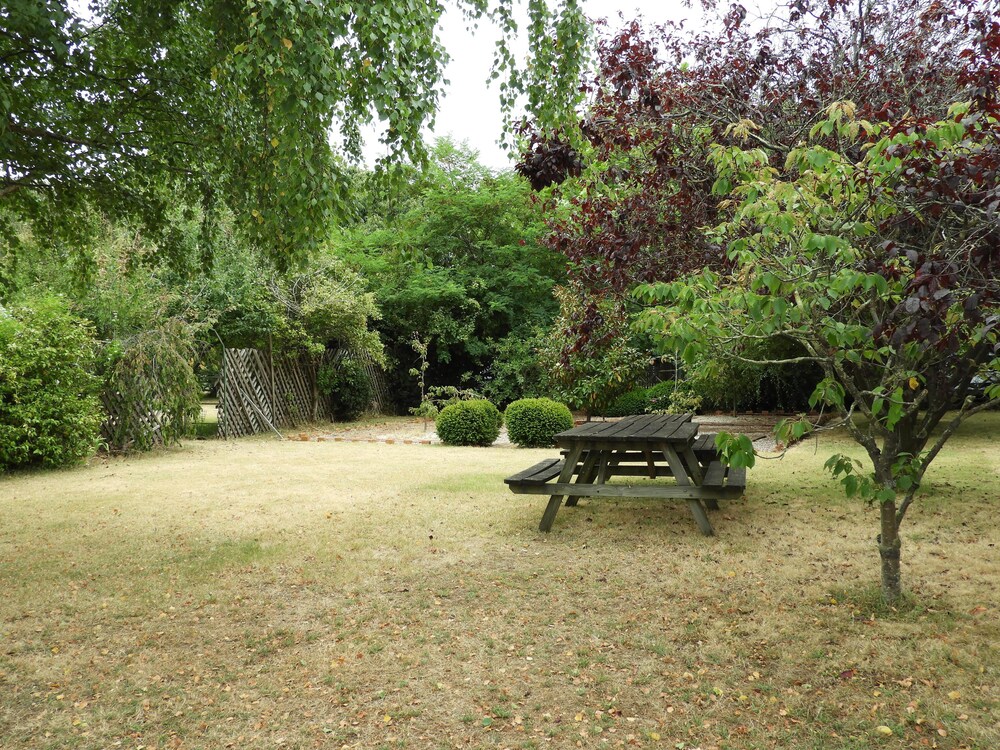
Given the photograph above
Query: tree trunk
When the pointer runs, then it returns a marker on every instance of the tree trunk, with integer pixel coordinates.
(888, 549)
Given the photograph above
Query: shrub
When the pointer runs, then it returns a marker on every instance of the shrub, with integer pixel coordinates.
(474, 422)
(683, 401)
(515, 371)
(658, 396)
(629, 403)
(731, 384)
(534, 422)
(50, 414)
(348, 387)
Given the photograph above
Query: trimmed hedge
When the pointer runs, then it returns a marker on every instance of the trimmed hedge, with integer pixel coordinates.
(475, 422)
(534, 422)
(50, 414)
(627, 404)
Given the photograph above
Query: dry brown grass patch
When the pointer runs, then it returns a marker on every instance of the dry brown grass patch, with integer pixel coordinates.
(258, 594)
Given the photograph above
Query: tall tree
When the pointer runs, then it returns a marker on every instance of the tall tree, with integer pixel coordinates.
(241, 99)
(657, 100)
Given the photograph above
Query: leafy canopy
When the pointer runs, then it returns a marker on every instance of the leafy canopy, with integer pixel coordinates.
(254, 102)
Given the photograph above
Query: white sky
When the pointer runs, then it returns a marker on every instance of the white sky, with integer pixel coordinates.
(470, 109)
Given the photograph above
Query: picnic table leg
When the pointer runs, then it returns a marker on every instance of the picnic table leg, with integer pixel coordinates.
(585, 476)
(680, 471)
(556, 500)
(650, 462)
(698, 511)
(696, 474)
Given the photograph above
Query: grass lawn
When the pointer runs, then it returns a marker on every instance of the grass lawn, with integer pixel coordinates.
(265, 594)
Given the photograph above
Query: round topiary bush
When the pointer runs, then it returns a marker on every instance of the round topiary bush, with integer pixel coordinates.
(475, 422)
(534, 422)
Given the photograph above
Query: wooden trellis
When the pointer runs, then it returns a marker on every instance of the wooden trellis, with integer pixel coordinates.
(130, 425)
(257, 394)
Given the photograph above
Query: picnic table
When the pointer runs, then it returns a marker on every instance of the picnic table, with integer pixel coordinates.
(652, 446)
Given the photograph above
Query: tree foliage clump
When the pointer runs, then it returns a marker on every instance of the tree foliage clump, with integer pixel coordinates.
(592, 375)
(534, 422)
(252, 304)
(472, 422)
(50, 414)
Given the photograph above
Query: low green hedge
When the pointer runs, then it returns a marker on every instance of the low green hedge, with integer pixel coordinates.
(474, 422)
(534, 422)
(627, 404)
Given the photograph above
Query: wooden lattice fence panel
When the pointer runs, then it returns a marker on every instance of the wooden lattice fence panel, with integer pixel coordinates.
(257, 395)
(129, 425)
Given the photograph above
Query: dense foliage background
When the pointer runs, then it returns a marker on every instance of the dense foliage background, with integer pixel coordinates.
(456, 260)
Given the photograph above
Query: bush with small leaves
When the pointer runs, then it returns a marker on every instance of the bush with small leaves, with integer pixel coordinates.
(50, 414)
(534, 422)
(348, 387)
(475, 422)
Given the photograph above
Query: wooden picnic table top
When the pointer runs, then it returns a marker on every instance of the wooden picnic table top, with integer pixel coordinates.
(644, 429)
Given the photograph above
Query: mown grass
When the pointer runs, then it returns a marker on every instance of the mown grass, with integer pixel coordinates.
(262, 594)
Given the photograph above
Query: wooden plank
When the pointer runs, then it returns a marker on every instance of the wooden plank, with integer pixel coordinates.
(663, 428)
(737, 478)
(676, 465)
(666, 491)
(676, 434)
(602, 466)
(555, 500)
(715, 476)
(693, 467)
(586, 474)
(588, 471)
(625, 456)
(650, 463)
(705, 442)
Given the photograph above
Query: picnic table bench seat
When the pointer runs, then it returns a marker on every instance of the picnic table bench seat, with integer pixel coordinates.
(704, 448)
(540, 473)
(725, 477)
(717, 475)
